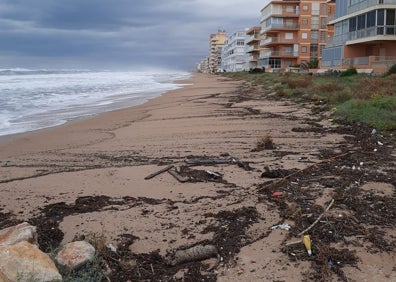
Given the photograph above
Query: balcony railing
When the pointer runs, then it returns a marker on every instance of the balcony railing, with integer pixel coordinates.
(253, 58)
(367, 4)
(253, 38)
(277, 40)
(372, 31)
(280, 26)
(253, 48)
(281, 54)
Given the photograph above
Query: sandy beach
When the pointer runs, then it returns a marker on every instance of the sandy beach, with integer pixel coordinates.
(88, 177)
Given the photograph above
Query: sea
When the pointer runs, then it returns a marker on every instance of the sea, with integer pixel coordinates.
(36, 99)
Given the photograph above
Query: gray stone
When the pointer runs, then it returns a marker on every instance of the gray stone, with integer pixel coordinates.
(75, 254)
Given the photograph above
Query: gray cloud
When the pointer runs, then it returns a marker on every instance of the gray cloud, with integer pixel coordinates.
(116, 33)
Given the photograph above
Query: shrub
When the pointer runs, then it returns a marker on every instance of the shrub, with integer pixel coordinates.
(297, 81)
(348, 72)
(391, 70)
(265, 143)
(313, 64)
(374, 87)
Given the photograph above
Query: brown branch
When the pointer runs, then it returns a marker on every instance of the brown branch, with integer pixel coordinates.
(317, 220)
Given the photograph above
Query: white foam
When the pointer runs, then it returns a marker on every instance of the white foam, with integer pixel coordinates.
(31, 100)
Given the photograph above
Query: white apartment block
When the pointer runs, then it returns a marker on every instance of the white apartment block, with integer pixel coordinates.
(234, 56)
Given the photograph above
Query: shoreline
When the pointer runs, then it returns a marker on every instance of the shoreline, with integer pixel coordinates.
(88, 177)
(15, 136)
(5, 138)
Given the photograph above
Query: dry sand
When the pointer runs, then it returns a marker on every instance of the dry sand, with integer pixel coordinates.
(110, 154)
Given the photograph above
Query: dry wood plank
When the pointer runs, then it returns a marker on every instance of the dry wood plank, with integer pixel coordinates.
(162, 170)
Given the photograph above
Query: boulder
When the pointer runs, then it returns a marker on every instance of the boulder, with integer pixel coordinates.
(75, 254)
(18, 233)
(24, 262)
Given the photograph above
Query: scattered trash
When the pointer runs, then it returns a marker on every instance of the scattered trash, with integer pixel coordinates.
(284, 226)
(112, 247)
(307, 243)
(214, 174)
(374, 131)
(277, 194)
(380, 143)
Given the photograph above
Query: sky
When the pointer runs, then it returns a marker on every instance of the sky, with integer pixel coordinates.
(116, 34)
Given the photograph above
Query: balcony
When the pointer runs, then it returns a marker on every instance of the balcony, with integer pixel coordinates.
(280, 26)
(253, 38)
(277, 41)
(278, 54)
(253, 48)
(368, 34)
(253, 58)
(367, 4)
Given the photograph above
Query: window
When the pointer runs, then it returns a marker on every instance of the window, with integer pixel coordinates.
(305, 8)
(390, 21)
(313, 51)
(303, 49)
(304, 35)
(323, 23)
(315, 22)
(304, 21)
(323, 36)
(380, 17)
(371, 19)
(315, 8)
(288, 35)
(361, 22)
(352, 24)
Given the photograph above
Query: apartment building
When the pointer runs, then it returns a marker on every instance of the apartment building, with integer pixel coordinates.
(215, 47)
(253, 46)
(364, 35)
(234, 56)
(293, 32)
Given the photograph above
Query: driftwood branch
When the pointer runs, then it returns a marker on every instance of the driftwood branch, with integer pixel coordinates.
(158, 172)
(317, 220)
(280, 181)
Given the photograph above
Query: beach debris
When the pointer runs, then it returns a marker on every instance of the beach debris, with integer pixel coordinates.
(214, 174)
(307, 244)
(277, 194)
(7, 162)
(318, 219)
(178, 176)
(196, 253)
(159, 172)
(276, 173)
(284, 226)
(111, 247)
(264, 143)
(199, 161)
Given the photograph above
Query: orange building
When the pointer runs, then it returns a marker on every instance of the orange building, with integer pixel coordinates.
(216, 43)
(253, 46)
(293, 32)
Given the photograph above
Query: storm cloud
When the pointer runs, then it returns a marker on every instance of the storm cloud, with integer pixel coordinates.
(116, 33)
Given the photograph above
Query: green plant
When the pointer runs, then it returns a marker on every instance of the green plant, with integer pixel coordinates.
(313, 64)
(391, 70)
(348, 72)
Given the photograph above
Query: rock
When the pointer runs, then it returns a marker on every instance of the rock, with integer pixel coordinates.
(75, 254)
(24, 262)
(18, 233)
